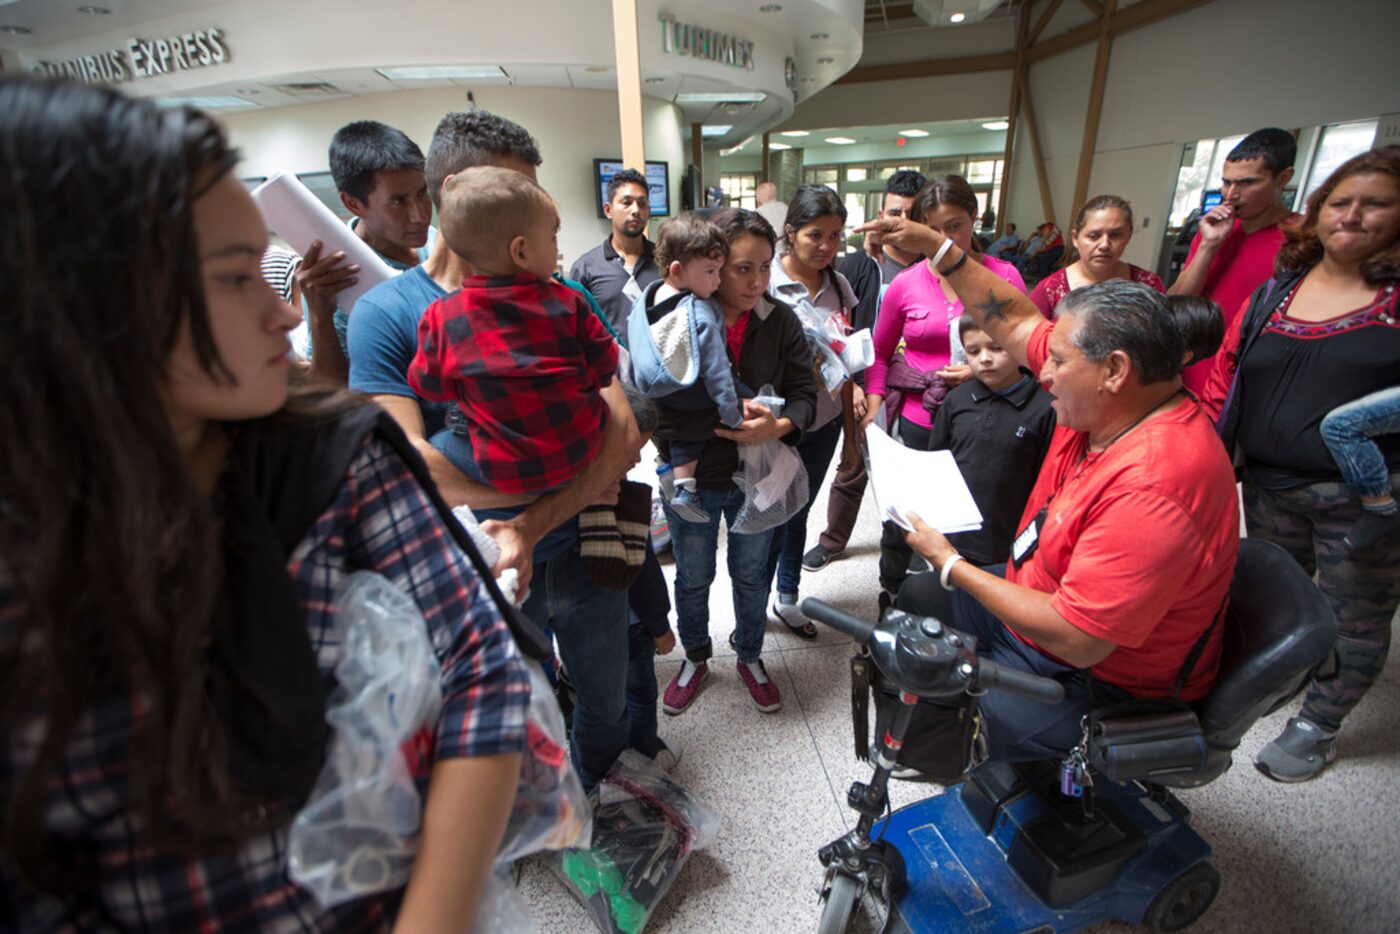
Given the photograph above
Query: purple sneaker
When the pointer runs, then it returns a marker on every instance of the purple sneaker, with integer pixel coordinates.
(679, 696)
(765, 692)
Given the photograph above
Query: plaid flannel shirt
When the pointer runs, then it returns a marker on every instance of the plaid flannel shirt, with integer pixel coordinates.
(524, 358)
(382, 521)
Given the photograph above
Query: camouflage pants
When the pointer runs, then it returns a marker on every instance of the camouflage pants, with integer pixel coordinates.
(1309, 523)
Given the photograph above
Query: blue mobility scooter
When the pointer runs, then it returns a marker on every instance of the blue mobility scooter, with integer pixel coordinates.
(1062, 845)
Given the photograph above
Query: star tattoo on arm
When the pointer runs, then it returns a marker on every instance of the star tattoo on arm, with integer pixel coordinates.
(993, 309)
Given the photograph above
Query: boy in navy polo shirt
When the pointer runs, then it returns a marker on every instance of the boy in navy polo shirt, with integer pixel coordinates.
(998, 426)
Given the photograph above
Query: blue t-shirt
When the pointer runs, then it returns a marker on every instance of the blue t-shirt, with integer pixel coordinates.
(381, 341)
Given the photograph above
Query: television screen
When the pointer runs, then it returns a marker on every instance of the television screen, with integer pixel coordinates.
(658, 188)
(1210, 199)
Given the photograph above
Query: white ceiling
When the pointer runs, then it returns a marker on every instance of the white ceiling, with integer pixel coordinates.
(53, 21)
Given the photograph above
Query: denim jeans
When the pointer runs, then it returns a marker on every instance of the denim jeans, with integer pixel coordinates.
(1348, 430)
(695, 545)
(790, 538)
(590, 627)
(641, 692)
(1017, 728)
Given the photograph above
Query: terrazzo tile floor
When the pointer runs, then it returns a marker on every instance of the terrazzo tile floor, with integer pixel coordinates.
(1319, 856)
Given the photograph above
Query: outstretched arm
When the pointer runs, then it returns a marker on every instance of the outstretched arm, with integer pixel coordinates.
(999, 309)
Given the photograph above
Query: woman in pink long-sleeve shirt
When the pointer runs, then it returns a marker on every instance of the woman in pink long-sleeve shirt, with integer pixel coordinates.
(918, 310)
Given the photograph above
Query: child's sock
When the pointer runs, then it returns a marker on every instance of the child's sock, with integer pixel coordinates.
(601, 548)
(1385, 507)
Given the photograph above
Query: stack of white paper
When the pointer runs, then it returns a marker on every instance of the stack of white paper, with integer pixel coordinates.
(297, 216)
(928, 483)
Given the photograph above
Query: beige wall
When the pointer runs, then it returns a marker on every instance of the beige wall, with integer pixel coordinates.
(573, 128)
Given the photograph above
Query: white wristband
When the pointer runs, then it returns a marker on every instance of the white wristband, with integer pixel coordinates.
(947, 569)
(942, 252)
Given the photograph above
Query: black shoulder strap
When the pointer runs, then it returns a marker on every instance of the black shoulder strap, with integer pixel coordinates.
(297, 469)
(1194, 655)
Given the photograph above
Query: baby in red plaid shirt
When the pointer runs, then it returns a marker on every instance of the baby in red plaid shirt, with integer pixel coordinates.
(520, 353)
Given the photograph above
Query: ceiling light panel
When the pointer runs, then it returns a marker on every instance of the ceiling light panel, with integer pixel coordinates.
(914, 134)
(437, 72)
(723, 97)
(716, 129)
(840, 140)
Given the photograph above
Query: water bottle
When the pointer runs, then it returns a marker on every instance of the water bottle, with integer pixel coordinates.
(667, 478)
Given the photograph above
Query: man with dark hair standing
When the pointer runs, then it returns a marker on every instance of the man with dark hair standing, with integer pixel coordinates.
(378, 172)
(1233, 252)
(617, 270)
(869, 273)
(540, 538)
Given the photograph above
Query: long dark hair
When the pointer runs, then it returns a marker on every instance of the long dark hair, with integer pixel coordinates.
(109, 552)
(1302, 248)
(810, 203)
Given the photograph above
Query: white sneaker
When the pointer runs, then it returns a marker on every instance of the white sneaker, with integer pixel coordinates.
(669, 756)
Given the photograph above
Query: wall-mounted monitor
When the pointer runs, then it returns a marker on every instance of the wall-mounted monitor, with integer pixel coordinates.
(658, 185)
(1210, 199)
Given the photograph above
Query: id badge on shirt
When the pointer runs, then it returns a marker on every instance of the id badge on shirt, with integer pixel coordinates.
(1028, 539)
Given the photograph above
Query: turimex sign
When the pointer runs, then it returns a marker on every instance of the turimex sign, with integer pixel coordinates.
(685, 39)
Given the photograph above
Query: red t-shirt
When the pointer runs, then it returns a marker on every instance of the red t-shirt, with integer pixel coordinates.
(1243, 263)
(1139, 543)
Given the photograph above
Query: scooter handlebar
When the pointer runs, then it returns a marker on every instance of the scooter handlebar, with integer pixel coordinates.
(991, 675)
(858, 629)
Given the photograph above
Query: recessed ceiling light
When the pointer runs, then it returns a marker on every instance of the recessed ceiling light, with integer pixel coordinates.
(996, 125)
(825, 60)
(722, 97)
(957, 17)
(430, 72)
(206, 103)
(913, 134)
(770, 8)
(15, 30)
(596, 69)
(655, 80)
(716, 129)
(94, 10)
(840, 140)
(819, 36)
(778, 147)
(796, 133)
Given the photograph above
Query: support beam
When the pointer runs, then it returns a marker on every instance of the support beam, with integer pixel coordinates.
(1013, 111)
(1091, 116)
(629, 83)
(1046, 202)
(1044, 20)
(932, 68)
(697, 150)
(1125, 20)
(763, 172)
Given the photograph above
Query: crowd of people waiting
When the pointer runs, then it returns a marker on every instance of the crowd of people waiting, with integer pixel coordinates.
(180, 498)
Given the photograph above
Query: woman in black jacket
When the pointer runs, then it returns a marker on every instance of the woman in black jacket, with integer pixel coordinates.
(766, 346)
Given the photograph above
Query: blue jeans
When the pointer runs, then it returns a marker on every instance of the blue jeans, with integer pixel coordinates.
(641, 692)
(694, 545)
(1017, 728)
(790, 538)
(1348, 430)
(590, 627)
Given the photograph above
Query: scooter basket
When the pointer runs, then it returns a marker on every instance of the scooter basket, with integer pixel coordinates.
(939, 740)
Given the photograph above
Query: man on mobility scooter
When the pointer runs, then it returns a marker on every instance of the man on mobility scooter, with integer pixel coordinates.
(1115, 590)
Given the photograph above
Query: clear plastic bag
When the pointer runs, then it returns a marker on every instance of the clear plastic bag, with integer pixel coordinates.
(773, 480)
(551, 811)
(645, 826)
(358, 832)
(501, 909)
(509, 581)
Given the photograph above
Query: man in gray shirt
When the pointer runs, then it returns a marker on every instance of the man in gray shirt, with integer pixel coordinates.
(622, 266)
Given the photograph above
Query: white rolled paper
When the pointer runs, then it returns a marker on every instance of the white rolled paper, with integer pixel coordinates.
(297, 216)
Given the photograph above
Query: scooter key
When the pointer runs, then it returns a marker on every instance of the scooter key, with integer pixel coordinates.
(1068, 773)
